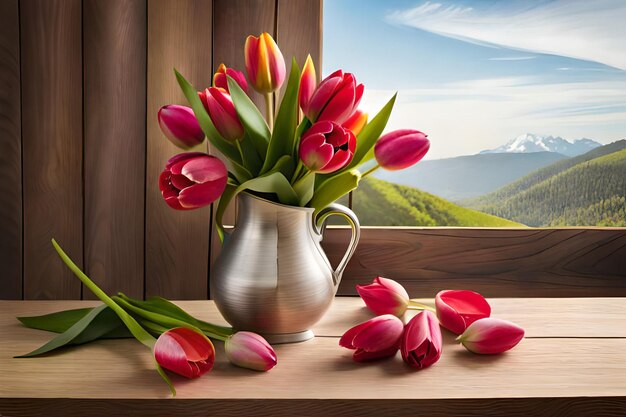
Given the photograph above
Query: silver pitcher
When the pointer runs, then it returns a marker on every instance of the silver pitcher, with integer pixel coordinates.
(272, 276)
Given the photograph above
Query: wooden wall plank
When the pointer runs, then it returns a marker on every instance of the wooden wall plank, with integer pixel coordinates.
(299, 31)
(52, 143)
(10, 153)
(234, 21)
(115, 143)
(177, 242)
(574, 262)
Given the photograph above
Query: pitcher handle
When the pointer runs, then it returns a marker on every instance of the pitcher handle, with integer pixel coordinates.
(345, 212)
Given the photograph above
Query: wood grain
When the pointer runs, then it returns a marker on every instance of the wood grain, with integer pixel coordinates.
(177, 242)
(569, 375)
(52, 144)
(299, 32)
(234, 21)
(115, 143)
(572, 262)
(10, 152)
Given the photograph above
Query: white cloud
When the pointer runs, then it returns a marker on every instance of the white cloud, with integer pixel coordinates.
(512, 58)
(590, 30)
(466, 117)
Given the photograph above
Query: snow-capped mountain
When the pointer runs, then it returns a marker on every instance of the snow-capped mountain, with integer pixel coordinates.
(530, 142)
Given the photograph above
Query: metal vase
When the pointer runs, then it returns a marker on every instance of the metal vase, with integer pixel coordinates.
(272, 276)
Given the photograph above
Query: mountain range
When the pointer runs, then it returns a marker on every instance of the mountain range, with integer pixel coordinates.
(530, 142)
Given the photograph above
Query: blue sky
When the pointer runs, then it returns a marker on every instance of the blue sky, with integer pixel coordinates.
(474, 74)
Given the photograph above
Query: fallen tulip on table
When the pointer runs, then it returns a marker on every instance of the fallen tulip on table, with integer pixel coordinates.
(457, 309)
(374, 339)
(490, 336)
(249, 350)
(384, 296)
(421, 342)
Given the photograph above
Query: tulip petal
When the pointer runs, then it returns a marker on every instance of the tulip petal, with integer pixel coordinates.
(205, 169)
(181, 157)
(339, 106)
(185, 352)
(181, 182)
(382, 332)
(457, 309)
(361, 355)
(200, 195)
(308, 82)
(422, 341)
(320, 97)
(251, 53)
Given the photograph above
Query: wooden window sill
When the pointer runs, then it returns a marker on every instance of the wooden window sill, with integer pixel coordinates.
(571, 361)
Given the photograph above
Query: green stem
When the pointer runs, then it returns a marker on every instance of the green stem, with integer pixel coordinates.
(369, 171)
(269, 107)
(238, 143)
(163, 320)
(296, 173)
(414, 305)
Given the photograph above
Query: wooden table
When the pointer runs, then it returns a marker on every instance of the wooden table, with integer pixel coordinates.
(572, 362)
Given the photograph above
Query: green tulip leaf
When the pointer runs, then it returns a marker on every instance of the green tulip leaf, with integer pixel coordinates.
(333, 188)
(57, 322)
(250, 117)
(369, 135)
(212, 134)
(283, 137)
(305, 189)
(97, 323)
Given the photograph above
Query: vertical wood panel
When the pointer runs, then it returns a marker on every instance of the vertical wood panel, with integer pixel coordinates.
(299, 31)
(115, 136)
(10, 153)
(177, 242)
(52, 143)
(234, 21)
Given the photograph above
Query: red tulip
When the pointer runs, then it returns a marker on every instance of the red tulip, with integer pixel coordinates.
(249, 350)
(400, 149)
(264, 63)
(327, 147)
(491, 336)
(220, 80)
(221, 109)
(308, 82)
(457, 309)
(421, 342)
(185, 352)
(374, 339)
(180, 126)
(192, 180)
(356, 122)
(335, 99)
(384, 296)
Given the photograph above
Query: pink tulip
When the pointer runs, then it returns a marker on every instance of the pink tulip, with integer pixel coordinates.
(264, 63)
(335, 99)
(491, 336)
(192, 180)
(185, 352)
(384, 296)
(374, 339)
(249, 350)
(421, 342)
(356, 122)
(221, 109)
(180, 126)
(220, 80)
(308, 82)
(400, 149)
(457, 309)
(327, 147)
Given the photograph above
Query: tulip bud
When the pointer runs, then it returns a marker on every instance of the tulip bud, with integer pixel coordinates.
(185, 352)
(335, 99)
(220, 80)
(421, 341)
(264, 63)
(221, 109)
(384, 296)
(356, 122)
(249, 350)
(308, 82)
(400, 149)
(192, 180)
(457, 309)
(327, 147)
(374, 339)
(490, 336)
(180, 126)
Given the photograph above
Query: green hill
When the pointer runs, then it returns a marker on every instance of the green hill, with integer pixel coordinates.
(379, 203)
(588, 193)
(499, 196)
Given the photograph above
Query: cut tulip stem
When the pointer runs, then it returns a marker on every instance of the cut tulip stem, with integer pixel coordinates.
(414, 305)
(269, 106)
(369, 171)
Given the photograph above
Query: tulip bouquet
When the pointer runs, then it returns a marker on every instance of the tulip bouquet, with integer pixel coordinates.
(462, 312)
(307, 155)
